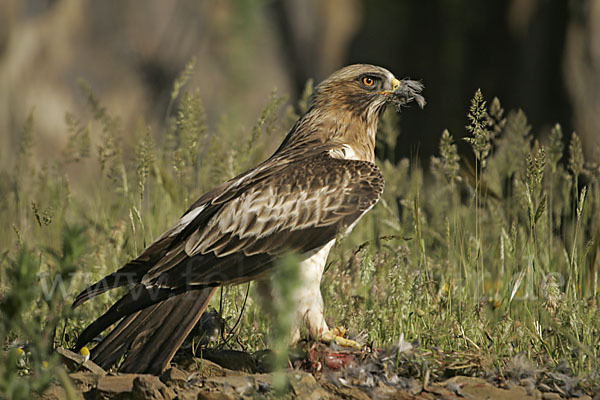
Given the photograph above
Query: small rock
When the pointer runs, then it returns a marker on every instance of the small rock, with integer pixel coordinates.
(427, 396)
(174, 376)
(551, 396)
(346, 392)
(216, 396)
(454, 388)
(530, 386)
(527, 383)
(149, 387)
(305, 386)
(477, 388)
(438, 392)
(178, 380)
(115, 386)
(229, 387)
(56, 392)
(240, 385)
(84, 380)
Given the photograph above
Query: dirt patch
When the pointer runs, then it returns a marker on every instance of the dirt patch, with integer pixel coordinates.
(351, 377)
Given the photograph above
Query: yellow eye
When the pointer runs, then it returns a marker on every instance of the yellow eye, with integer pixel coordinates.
(368, 81)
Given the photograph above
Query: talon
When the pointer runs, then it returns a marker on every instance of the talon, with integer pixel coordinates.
(339, 331)
(348, 343)
(327, 337)
(337, 335)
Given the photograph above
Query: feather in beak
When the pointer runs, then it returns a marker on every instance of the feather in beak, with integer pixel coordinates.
(407, 91)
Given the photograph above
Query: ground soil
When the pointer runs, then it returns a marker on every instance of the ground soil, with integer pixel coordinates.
(322, 374)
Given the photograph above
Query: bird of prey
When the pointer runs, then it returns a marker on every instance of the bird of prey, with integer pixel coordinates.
(321, 180)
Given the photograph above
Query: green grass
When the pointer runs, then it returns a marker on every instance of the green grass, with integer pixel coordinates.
(479, 260)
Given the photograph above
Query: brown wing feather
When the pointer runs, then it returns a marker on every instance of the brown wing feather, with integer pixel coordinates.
(318, 193)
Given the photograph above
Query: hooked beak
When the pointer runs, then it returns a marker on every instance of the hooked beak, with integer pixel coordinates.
(395, 85)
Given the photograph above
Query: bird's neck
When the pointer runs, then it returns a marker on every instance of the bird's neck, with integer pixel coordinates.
(347, 134)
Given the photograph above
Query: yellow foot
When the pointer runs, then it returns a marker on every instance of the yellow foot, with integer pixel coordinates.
(337, 335)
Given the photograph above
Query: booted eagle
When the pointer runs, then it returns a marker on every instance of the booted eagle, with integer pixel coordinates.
(322, 179)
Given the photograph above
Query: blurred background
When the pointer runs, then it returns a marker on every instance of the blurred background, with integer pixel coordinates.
(539, 55)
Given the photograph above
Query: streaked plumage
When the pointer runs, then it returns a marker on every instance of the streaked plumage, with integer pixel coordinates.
(320, 180)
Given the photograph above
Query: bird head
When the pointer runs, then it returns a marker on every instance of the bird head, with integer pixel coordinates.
(365, 90)
(344, 111)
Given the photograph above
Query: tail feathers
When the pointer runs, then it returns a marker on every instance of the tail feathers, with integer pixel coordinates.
(154, 349)
(112, 281)
(105, 355)
(137, 299)
(130, 273)
(152, 336)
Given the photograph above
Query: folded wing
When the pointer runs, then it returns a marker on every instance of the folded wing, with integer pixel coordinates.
(234, 234)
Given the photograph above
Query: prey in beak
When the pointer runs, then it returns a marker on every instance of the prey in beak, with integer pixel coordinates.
(405, 91)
